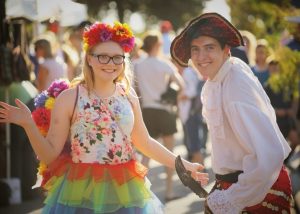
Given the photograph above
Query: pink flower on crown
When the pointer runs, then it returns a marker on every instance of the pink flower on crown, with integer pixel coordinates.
(105, 35)
(127, 44)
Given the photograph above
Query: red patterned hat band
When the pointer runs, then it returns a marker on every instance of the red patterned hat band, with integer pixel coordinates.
(207, 24)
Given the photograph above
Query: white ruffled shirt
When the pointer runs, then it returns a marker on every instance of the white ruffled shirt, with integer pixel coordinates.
(244, 135)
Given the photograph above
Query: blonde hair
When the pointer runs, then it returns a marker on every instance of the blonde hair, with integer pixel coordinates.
(251, 45)
(87, 74)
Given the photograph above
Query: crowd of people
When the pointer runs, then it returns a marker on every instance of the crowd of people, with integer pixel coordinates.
(131, 93)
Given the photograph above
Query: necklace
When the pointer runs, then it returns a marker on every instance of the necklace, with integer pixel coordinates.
(106, 97)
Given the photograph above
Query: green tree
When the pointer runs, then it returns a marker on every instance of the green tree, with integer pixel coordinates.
(261, 17)
(177, 11)
(94, 6)
(267, 19)
(287, 81)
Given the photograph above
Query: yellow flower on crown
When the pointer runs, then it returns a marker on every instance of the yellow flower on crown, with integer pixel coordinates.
(122, 30)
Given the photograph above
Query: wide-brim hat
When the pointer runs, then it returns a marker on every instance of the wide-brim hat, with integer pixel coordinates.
(208, 24)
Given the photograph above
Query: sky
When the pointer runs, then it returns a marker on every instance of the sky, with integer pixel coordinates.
(219, 6)
(138, 25)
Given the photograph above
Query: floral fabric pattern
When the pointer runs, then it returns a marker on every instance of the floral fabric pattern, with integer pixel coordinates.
(102, 128)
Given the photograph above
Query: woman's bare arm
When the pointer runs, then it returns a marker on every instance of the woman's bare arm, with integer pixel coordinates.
(46, 148)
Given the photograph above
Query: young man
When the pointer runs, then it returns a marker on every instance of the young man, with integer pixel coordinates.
(248, 148)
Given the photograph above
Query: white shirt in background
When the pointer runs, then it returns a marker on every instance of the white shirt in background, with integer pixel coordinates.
(152, 76)
(57, 69)
(191, 80)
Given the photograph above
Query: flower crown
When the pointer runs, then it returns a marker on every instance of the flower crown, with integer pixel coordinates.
(100, 32)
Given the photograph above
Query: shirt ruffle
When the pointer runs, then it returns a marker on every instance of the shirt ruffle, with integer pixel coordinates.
(219, 204)
(212, 108)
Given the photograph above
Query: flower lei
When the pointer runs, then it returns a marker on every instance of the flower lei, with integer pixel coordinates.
(101, 32)
(44, 103)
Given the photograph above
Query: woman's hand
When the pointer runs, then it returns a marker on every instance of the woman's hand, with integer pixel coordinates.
(198, 176)
(20, 115)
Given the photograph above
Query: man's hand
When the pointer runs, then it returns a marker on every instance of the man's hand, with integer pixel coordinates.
(192, 178)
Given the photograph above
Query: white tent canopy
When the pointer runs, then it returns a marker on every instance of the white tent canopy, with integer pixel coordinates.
(67, 12)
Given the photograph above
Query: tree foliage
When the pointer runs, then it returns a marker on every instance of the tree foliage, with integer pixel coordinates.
(177, 11)
(267, 19)
(287, 81)
(261, 17)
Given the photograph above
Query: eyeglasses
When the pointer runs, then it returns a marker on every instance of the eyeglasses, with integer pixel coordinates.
(104, 59)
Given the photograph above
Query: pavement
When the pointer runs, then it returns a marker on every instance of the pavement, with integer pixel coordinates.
(188, 203)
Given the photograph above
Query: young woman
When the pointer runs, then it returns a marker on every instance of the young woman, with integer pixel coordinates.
(101, 174)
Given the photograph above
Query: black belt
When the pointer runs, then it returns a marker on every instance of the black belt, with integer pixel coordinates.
(230, 178)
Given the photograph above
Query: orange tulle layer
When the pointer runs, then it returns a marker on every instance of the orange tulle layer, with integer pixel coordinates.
(121, 173)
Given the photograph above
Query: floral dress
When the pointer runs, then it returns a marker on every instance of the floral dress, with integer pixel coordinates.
(100, 174)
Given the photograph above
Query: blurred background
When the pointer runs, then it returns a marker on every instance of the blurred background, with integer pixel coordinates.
(271, 30)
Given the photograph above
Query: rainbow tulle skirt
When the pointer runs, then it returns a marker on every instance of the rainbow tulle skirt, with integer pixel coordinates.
(99, 188)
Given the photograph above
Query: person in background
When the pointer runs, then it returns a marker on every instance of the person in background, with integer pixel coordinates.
(80, 28)
(284, 106)
(260, 69)
(250, 45)
(101, 117)
(166, 29)
(248, 149)
(153, 75)
(50, 67)
(240, 53)
(189, 113)
(137, 55)
(70, 55)
(73, 49)
(294, 44)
